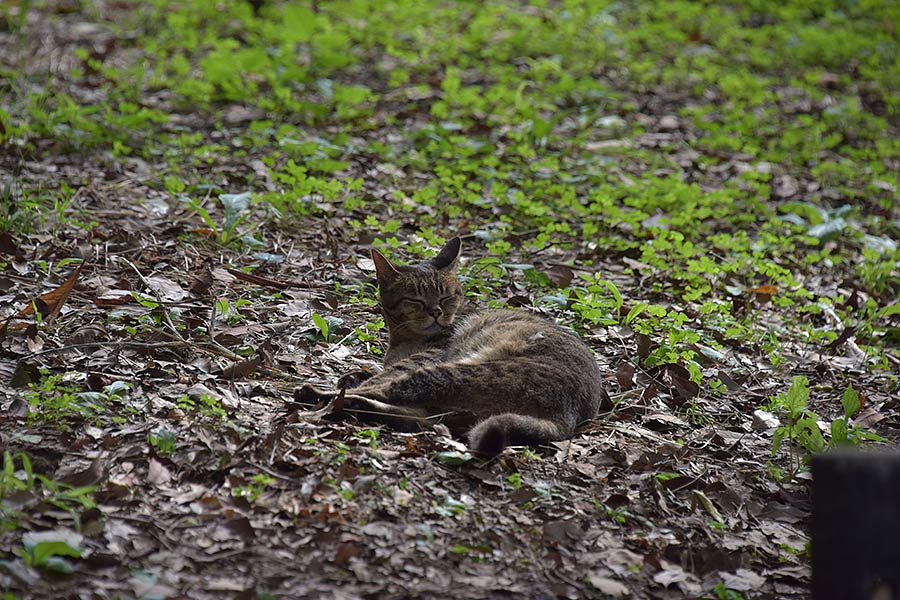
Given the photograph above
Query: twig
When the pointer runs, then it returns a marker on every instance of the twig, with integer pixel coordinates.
(156, 297)
(122, 344)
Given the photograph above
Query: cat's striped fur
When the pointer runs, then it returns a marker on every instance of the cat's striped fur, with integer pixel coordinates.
(526, 380)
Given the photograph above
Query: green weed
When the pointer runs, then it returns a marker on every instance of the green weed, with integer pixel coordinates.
(801, 430)
(253, 490)
(19, 477)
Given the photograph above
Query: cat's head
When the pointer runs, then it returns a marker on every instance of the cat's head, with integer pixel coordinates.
(420, 301)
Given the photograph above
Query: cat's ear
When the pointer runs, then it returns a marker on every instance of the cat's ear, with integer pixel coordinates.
(449, 254)
(384, 269)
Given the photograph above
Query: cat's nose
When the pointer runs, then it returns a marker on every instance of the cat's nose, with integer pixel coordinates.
(435, 311)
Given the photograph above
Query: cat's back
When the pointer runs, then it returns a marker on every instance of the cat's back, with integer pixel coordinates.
(506, 334)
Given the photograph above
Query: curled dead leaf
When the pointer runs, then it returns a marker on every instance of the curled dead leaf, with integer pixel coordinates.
(202, 283)
(625, 375)
(241, 369)
(649, 393)
(47, 305)
(560, 275)
(89, 476)
(680, 379)
(86, 335)
(643, 345)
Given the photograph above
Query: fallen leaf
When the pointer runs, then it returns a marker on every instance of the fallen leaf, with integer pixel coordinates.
(607, 586)
(202, 283)
(764, 421)
(742, 580)
(649, 393)
(241, 369)
(680, 379)
(92, 475)
(18, 407)
(51, 303)
(625, 375)
(242, 527)
(87, 334)
(643, 345)
(7, 371)
(113, 297)
(667, 577)
(766, 291)
(158, 473)
(345, 552)
(7, 244)
(560, 275)
(868, 417)
(166, 289)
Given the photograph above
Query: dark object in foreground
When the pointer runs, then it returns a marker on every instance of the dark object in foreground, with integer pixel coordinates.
(856, 526)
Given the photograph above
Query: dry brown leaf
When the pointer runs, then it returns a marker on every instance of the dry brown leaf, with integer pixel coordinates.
(51, 303)
(625, 375)
(89, 476)
(868, 417)
(560, 275)
(643, 345)
(345, 552)
(765, 291)
(681, 381)
(242, 527)
(8, 245)
(241, 369)
(649, 393)
(113, 297)
(202, 283)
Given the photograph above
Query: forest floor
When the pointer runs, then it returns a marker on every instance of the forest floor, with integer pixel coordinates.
(706, 194)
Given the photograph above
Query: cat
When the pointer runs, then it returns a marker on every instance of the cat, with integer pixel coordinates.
(525, 380)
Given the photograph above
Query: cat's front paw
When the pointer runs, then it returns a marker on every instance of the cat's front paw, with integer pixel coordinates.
(353, 378)
(310, 394)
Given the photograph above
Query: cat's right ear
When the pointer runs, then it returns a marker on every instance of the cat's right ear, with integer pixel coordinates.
(384, 269)
(449, 254)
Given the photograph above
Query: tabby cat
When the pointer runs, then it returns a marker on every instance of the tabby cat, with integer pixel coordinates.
(525, 380)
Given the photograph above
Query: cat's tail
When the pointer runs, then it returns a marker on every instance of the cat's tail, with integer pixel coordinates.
(491, 436)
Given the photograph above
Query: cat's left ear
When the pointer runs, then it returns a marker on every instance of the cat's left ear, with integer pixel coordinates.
(449, 254)
(384, 269)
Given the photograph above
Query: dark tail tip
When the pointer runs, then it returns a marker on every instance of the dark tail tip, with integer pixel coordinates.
(495, 433)
(488, 439)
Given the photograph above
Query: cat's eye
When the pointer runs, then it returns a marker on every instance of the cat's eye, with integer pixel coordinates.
(415, 301)
(447, 298)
